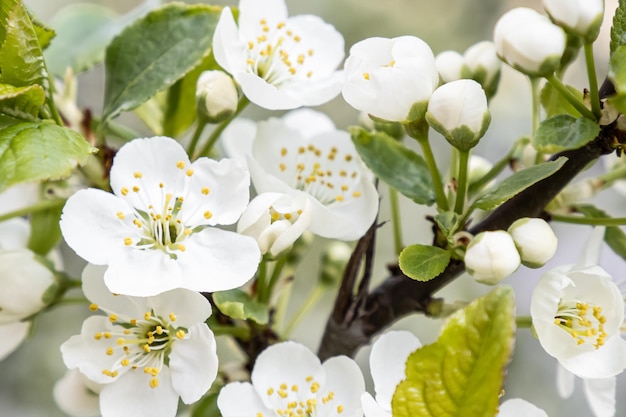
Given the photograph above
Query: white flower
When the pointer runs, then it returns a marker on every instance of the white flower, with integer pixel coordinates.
(491, 257)
(516, 407)
(276, 220)
(147, 353)
(280, 62)
(11, 336)
(387, 366)
(529, 42)
(288, 378)
(449, 65)
(458, 110)
(216, 96)
(388, 77)
(599, 392)
(535, 241)
(76, 395)
(481, 60)
(577, 312)
(154, 232)
(580, 17)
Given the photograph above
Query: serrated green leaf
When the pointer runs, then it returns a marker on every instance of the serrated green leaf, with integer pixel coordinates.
(617, 75)
(562, 132)
(461, 374)
(39, 151)
(422, 262)
(45, 231)
(238, 305)
(614, 236)
(618, 30)
(155, 52)
(44, 33)
(21, 102)
(448, 222)
(21, 57)
(395, 164)
(516, 183)
(554, 103)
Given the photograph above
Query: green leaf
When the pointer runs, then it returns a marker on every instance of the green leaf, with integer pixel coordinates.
(614, 236)
(617, 75)
(395, 164)
(21, 102)
(618, 30)
(554, 103)
(45, 231)
(238, 305)
(516, 183)
(39, 151)
(154, 52)
(448, 222)
(207, 406)
(462, 373)
(21, 57)
(44, 33)
(562, 132)
(422, 262)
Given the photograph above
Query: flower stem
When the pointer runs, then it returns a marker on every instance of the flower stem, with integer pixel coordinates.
(534, 90)
(261, 279)
(498, 167)
(593, 80)
(312, 299)
(201, 124)
(243, 102)
(276, 272)
(396, 220)
(37, 207)
(459, 203)
(429, 157)
(524, 321)
(592, 221)
(569, 96)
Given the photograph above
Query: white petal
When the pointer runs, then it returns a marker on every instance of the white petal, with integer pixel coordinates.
(217, 260)
(266, 95)
(97, 292)
(91, 227)
(591, 254)
(517, 407)
(326, 43)
(193, 363)
(189, 307)
(251, 12)
(607, 361)
(237, 138)
(227, 48)
(74, 397)
(308, 122)
(371, 408)
(600, 394)
(388, 362)
(11, 336)
(16, 197)
(240, 399)
(14, 233)
(132, 396)
(344, 378)
(564, 382)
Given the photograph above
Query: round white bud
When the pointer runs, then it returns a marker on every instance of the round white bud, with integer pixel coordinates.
(491, 256)
(535, 241)
(458, 110)
(529, 42)
(483, 64)
(216, 96)
(578, 17)
(449, 65)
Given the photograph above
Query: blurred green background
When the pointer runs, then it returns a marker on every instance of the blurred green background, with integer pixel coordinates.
(27, 376)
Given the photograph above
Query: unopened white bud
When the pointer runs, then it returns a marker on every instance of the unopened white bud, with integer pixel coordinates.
(477, 168)
(483, 64)
(535, 241)
(449, 65)
(491, 257)
(529, 42)
(216, 96)
(578, 17)
(458, 110)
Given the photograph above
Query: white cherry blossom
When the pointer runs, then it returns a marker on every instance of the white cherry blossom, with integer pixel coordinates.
(280, 62)
(289, 380)
(147, 352)
(516, 407)
(155, 231)
(76, 395)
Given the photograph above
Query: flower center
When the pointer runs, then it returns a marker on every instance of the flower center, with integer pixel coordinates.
(278, 54)
(327, 175)
(583, 322)
(292, 401)
(139, 344)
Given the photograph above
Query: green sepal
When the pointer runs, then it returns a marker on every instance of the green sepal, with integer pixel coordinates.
(517, 183)
(462, 138)
(562, 132)
(395, 164)
(238, 305)
(462, 373)
(423, 262)
(39, 151)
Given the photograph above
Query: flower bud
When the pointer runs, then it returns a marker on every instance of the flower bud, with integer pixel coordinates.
(477, 168)
(24, 284)
(578, 17)
(481, 61)
(216, 96)
(491, 257)
(334, 260)
(449, 65)
(529, 42)
(458, 110)
(535, 241)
